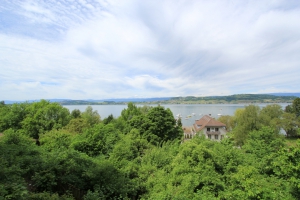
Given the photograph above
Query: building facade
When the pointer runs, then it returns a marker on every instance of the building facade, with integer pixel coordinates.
(208, 126)
(211, 128)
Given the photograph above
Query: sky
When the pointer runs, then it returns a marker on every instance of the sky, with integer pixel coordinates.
(100, 49)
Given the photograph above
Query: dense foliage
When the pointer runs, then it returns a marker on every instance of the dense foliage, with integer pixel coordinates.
(46, 152)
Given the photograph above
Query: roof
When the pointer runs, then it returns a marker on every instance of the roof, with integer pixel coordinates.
(207, 121)
(187, 129)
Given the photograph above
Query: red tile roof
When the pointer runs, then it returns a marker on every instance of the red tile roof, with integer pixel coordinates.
(207, 121)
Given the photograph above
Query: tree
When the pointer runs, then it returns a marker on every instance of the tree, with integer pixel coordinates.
(19, 160)
(286, 165)
(289, 109)
(76, 113)
(270, 116)
(97, 140)
(4, 122)
(263, 142)
(131, 111)
(44, 116)
(77, 125)
(246, 120)
(158, 125)
(109, 119)
(56, 139)
(296, 106)
(289, 123)
(91, 116)
(13, 115)
(228, 121)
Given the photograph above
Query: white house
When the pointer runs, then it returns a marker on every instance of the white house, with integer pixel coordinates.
(210, 127)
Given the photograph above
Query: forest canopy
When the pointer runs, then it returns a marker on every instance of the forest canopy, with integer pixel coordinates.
(48, 152)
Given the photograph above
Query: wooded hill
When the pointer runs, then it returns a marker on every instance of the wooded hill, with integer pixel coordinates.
(231, 99)
(234, 99)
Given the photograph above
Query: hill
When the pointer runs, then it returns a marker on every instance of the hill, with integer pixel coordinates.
(230, 99)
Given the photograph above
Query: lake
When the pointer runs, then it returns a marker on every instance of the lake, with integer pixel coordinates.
(189, 112)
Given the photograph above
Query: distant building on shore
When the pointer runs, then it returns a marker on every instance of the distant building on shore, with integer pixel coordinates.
(207, 126)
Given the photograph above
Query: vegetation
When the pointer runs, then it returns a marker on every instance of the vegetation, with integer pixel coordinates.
(234, 99)
(231, 99)
(46, 152)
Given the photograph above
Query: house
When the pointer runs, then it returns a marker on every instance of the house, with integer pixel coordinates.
(188, 132)
(210, 127)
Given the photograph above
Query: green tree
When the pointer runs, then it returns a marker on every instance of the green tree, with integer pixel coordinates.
(12, 116)
(131, 111)
(271, 115)
(158, 125)
(263, 142)
(62, 171)
(228, 121)
(56, 139)
(286, 165)
(98, 140)
(44, 116)
(296, 106)
(109, 119)
(76, 113)
(289, 109)
(289, 123)
(77, 125)
(246, 121)
(91, 116)
(19, 160)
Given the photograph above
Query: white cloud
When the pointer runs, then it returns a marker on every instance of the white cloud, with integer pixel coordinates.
(84, 49)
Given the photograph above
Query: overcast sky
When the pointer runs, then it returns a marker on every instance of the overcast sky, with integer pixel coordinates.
(97, 49)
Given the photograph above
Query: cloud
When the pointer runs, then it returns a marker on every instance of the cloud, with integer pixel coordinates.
(85, 49)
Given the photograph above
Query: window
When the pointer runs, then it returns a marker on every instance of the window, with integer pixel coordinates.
(209, 136)
(216, 137)
(217, 129)
(208, 129)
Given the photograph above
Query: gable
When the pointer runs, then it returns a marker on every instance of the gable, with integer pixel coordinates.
(207, 121)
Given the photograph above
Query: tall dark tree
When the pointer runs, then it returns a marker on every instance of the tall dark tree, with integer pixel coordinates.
(157, 125)
(296, 106)
(108, 119)
(76, 113)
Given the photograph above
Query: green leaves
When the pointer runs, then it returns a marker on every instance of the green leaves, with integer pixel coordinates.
(98, 140)
(139, 156)
(157, 125)
(44, 116)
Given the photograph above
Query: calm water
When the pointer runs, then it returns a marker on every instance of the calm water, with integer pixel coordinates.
(194, 111)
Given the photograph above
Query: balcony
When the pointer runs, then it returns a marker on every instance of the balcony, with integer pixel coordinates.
(213, 132)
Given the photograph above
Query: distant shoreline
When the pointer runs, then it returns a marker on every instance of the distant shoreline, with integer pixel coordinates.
(231, 99)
